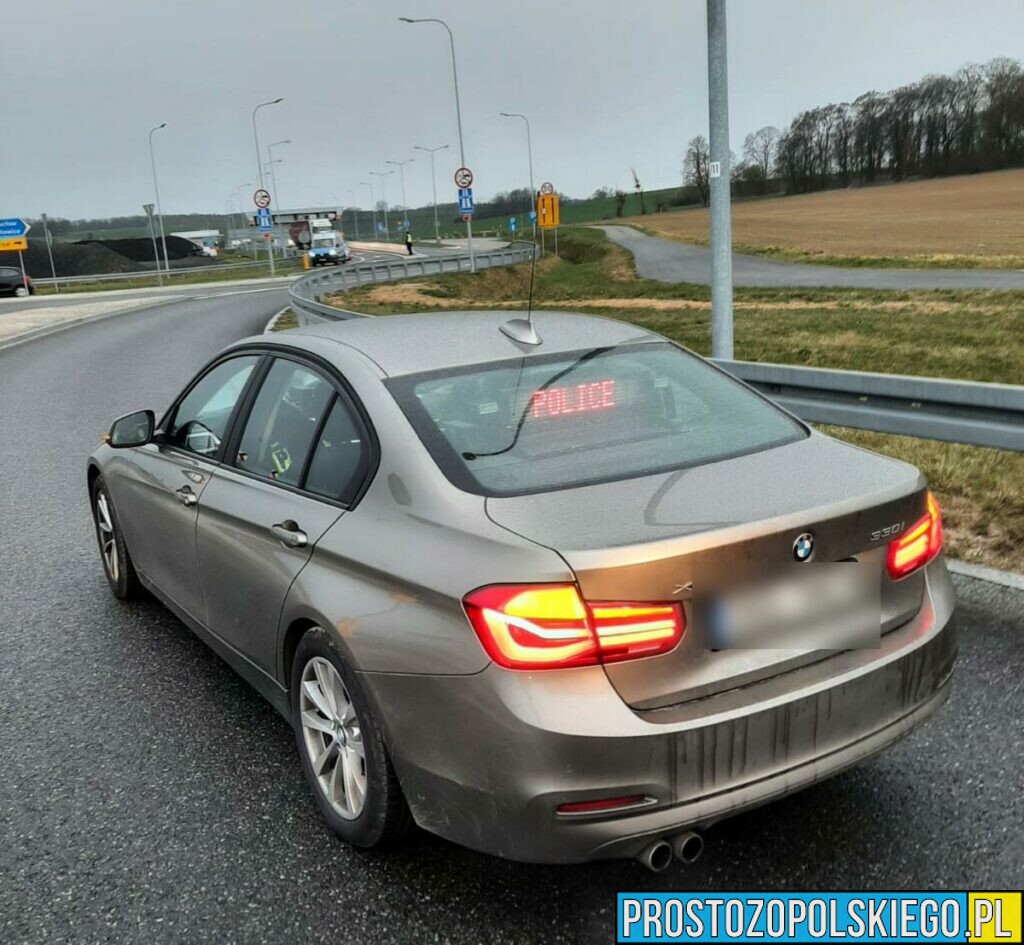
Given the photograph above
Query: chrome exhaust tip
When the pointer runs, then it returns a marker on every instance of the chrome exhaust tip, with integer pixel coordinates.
(687, 847)
(657, 856)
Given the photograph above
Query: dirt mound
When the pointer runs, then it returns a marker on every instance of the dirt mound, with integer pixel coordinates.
(140, 250)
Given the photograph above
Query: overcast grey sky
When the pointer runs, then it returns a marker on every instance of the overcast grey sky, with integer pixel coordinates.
(607, 85)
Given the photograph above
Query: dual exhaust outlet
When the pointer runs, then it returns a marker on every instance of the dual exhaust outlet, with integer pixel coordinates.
(685, 847)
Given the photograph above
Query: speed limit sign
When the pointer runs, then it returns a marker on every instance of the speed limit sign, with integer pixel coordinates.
(261, 198)
(463, 177)
(547, 187)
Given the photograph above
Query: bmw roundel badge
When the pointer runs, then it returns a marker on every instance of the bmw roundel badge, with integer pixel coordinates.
(803, 547)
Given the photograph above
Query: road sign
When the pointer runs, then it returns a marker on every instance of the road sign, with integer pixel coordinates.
(261, 198)
(463, 178)
(547, 187)
(466, 205)
(13, 244)
(466, 217)
(533, 216)
(13, 226)
(512, 224)
(547, 211)
(263, 219)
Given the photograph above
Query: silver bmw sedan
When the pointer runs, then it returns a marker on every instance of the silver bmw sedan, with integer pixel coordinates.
(557, 595)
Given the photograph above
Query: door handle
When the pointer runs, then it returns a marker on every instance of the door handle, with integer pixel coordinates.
(186, 496)
(289, 534)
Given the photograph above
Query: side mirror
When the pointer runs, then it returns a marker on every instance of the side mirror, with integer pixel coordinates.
(133, 429)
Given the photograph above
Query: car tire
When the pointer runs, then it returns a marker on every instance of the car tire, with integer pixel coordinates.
(117, 562)
(21, 292)
(382, 818)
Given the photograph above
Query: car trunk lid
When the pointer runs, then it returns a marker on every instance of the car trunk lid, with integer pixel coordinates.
(668, 536)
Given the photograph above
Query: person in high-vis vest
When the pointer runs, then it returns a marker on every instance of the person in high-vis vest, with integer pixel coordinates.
(408, 241)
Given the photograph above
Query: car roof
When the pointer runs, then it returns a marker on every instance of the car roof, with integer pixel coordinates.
(408, 344)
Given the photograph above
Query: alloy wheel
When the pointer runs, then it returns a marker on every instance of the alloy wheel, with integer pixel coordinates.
(108, 536)
(333, 737)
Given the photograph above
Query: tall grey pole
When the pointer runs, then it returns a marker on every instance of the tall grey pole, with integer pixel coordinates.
(373, 205)
(156, 188)
(529, 153)
(401, 176)
(49, 250)
(259, 175)
(274, 201)
(273, 180)
(458, 118)
(355, 210)
(383, 175)
(148, 208)
(433, 185)
(721, 221)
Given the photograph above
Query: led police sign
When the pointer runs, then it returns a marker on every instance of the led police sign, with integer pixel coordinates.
(580, 398)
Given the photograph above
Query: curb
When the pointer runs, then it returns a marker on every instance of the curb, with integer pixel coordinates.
(273, 321)
(46, 330)
(982, 573)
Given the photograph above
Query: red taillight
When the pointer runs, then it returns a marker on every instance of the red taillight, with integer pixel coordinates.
(604, 804)
(549, 626)
(921, 543)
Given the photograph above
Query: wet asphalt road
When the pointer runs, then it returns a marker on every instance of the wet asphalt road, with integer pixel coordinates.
(668, 260)
(147, 795)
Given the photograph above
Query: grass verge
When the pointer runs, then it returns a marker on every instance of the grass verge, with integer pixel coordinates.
(975, 335)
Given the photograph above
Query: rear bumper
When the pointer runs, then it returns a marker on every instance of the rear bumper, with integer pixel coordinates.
(485, 760)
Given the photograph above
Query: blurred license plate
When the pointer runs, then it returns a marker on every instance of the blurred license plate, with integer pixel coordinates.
(819, 606)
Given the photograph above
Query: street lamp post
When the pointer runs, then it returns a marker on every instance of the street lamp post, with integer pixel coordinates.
(148, 208)
(259, 175)
(244, 189)
(433, 185)
(373, 204)
(273, 182)
(384, 199)
(529, 152)
(355, 210)
(156, 188)
(458, 118)
(49, 250)
(401, 176)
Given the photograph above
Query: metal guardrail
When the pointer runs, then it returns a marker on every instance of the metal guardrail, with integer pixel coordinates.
(967, 412)
(306, 293)
(146, 273)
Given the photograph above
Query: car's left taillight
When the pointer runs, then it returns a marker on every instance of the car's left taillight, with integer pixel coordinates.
(550, 626)
(918, 545)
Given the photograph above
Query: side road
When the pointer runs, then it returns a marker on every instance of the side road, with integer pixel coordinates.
(666, 260)
(23, 319)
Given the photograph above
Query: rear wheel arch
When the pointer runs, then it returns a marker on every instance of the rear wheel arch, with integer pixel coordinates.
(295, 632)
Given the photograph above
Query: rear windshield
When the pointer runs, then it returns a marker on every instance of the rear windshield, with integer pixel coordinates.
(538, 424)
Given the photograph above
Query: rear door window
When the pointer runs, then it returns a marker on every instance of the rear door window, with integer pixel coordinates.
(541, 423)
(340, 458)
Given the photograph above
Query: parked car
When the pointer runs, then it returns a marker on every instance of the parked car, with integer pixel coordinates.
(12, 283)
(557, 602)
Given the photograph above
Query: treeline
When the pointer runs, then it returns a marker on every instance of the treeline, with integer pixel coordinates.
(970, 121)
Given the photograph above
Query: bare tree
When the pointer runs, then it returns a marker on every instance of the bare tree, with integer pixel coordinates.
(759, 154)
(696, 163)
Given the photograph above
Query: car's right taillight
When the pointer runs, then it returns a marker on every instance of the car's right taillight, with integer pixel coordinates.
(550, 626)
(918, 545)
